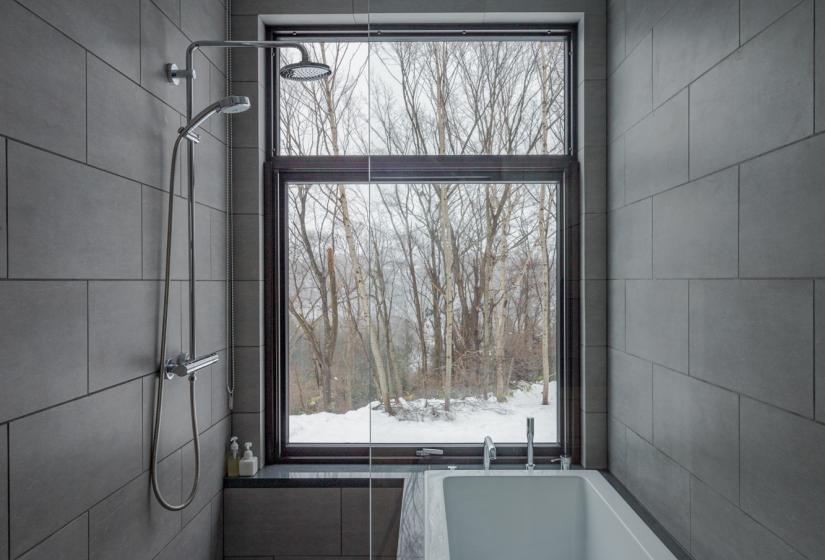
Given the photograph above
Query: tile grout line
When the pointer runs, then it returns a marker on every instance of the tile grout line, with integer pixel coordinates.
(88, 338)
(6, 178)
(800, 140)
(7, 482)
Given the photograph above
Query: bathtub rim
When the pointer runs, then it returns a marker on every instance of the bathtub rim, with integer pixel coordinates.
(436, 544)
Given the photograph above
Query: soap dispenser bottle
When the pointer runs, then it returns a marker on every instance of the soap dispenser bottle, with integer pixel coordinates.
(233, 460)
(249, 464)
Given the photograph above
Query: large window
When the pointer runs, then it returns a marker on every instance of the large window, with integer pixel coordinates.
(416, 224)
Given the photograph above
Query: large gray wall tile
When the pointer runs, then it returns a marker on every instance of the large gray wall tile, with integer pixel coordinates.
(689, 40)
(782, 202)
(594, 440)
(43, 91)
(217, 244)
(594, 380)
(155, 210)
(755, 337)
(130, 524)
(211, 316)
(282, 521)
(758, 99)
(194, 541)
(695, 228)
(756, 15)
(67, 220)
(657, 321)
(616, 173)
(210, 172)
(370, 510)
(616, 314)
(249, 393)
(656, 150)
(248, 307)
(161, 43)
(629, 241)
(176, 427)
(204, 19)
(248, 247)
(111, 30)
(641, 16)
(41, 319)
(214, 443)
(721, 531)
(124, 330)
(661, 484)
(784, 489)
(247, 180)
(630, 89)
(84, 450)
(616, 33)
(171, 8)
(697, 425)
(69, 543)
(125, 119)
(819, 330)
(630, 392)
(4, 491)
(594, 311)
(617, 447)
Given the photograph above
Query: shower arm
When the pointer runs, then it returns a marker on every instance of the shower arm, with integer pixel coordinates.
(188, 74)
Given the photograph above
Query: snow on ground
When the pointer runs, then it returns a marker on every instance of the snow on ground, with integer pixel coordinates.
(421, 421)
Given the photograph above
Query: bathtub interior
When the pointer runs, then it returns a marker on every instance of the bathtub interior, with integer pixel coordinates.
(535, 517)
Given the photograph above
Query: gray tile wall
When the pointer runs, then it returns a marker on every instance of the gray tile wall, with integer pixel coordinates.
(716, 271)
(86, 129)
(312, 522)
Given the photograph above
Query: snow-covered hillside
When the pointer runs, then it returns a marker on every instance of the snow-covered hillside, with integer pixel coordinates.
(424, 421)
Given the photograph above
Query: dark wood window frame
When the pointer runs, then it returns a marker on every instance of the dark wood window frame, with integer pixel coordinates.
(280, 171)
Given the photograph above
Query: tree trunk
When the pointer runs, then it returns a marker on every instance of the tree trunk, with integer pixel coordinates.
(545, 296)
(361, 289)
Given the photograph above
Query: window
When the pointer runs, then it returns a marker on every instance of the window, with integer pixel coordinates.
(419, 263)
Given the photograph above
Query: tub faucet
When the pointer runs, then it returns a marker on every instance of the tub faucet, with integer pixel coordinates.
(530, 426)
(489, 452)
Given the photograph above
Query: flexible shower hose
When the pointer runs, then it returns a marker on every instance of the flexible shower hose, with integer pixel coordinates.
(162, 367)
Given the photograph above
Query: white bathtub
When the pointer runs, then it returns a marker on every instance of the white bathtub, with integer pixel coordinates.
(550, 515)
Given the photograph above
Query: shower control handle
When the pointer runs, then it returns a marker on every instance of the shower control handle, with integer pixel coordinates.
(182, 366)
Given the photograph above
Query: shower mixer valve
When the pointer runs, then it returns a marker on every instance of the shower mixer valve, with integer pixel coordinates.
(182, 366)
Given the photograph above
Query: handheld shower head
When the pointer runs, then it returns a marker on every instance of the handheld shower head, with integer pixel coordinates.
(305, 71)
(228, 105)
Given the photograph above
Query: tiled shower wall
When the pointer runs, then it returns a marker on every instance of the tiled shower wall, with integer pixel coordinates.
(716, 266)
(87, 123)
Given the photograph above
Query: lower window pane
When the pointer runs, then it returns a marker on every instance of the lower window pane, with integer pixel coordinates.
(421, 313)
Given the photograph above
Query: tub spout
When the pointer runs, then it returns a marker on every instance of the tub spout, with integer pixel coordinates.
(489, 452)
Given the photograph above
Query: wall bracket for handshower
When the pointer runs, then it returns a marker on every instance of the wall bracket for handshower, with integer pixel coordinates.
(175, 74)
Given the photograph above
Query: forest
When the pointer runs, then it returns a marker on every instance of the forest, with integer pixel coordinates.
(420, 300)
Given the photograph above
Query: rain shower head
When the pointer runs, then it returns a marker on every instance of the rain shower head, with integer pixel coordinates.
(228, 105)
(305, 71)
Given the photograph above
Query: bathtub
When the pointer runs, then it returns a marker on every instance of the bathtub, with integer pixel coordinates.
(515, 515)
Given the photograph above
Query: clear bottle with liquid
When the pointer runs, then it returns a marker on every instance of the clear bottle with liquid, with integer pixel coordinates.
(233, 459)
